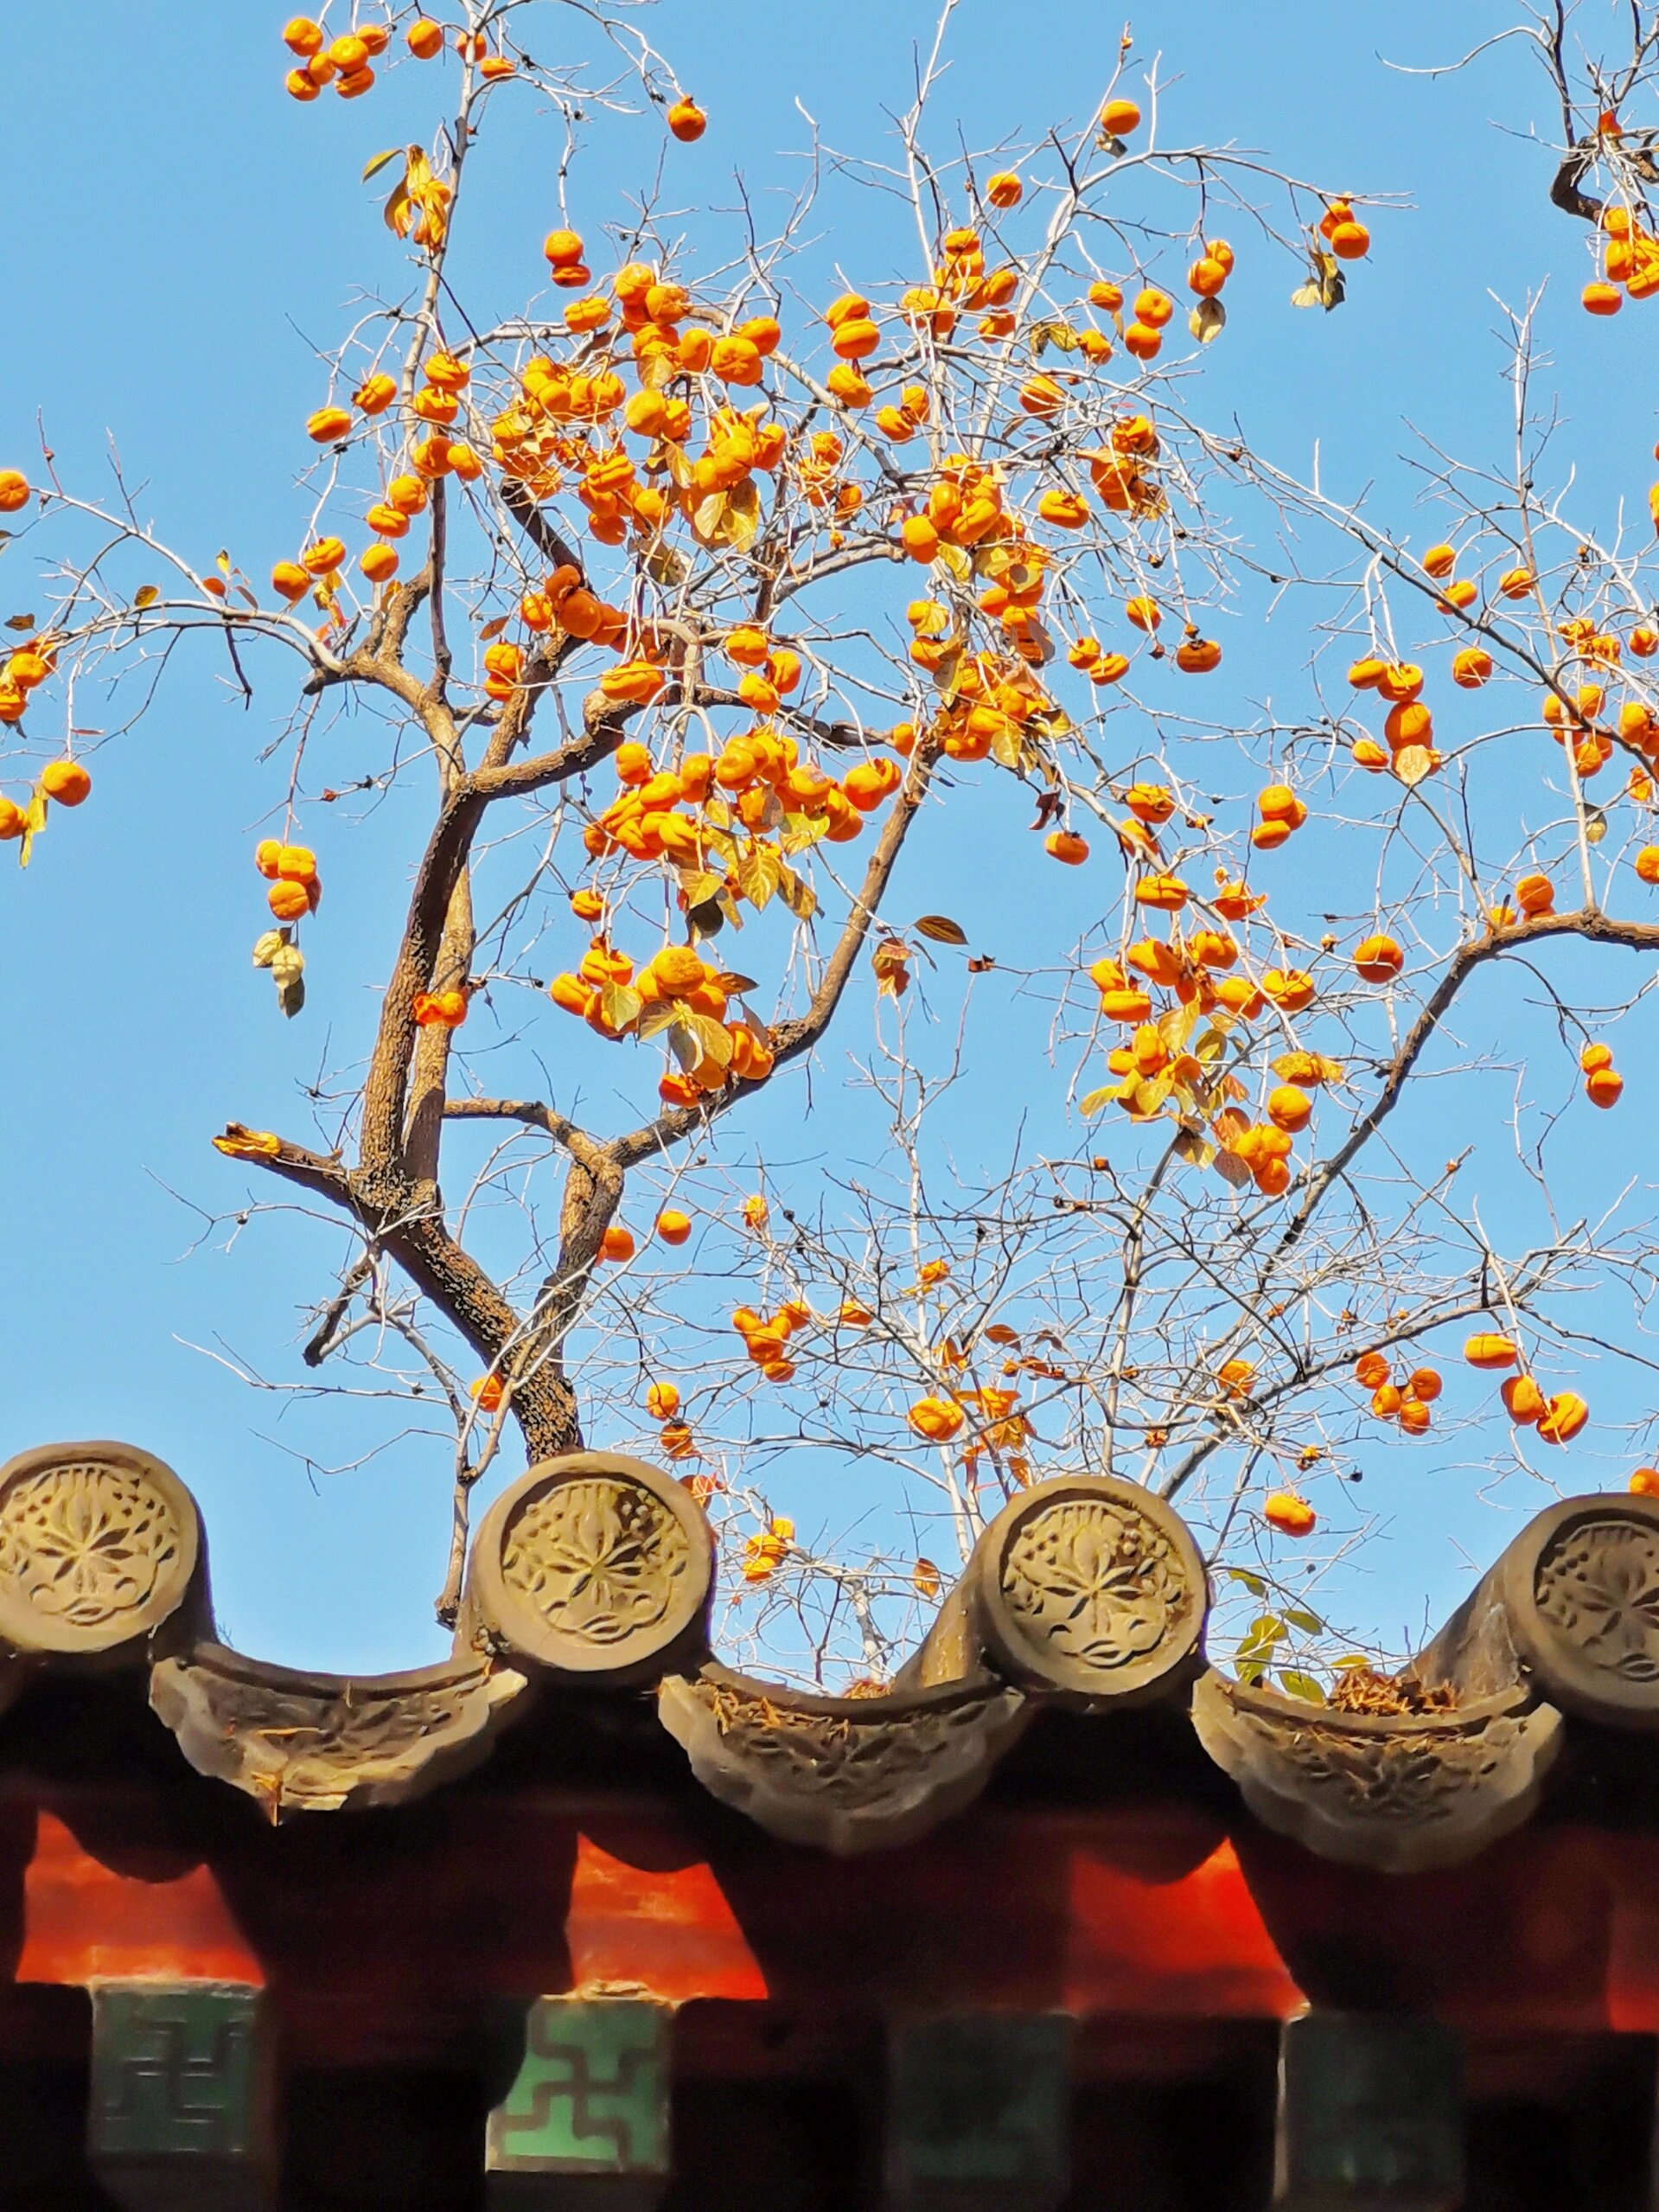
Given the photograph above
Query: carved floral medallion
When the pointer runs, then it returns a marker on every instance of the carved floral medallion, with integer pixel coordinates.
(1597, 1585)
(85, 1544)
(1087, 1587)
(1102, 1583)
(601, 1558)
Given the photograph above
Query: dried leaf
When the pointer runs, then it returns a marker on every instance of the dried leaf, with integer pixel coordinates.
(1232, 1170)
(266, 947)
(20, 622)
(798, 895)
(1050, 722)
(664, 565)
(492, 630)
(940, 929)
(740, 523)
(1412, 763)
(290, 997)
(924, 1579)
(711, 917)
(891, 963)
(1207, 321)
(146, 595)
(1329, 286)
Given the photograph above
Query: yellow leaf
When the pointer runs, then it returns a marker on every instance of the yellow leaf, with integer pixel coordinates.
(940, 929)
(146, 595)
(759, 874)
(798, 895)
(34, 823)
(1177, 1026)
(380, 161)
(1207, 321)
(924, 1579)
(682, 1042)
(242, 1143)
(740, 522)
(1412, 763)
(712, 1037)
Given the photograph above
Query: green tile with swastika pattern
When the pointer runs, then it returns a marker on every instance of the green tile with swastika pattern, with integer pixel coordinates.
(980, 2108)
(591, 2092)
(175, 2073)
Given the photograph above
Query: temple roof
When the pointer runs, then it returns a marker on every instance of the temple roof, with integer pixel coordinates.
(1067, 1665)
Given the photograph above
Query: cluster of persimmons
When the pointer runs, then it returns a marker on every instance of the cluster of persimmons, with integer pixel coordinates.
(652, 425)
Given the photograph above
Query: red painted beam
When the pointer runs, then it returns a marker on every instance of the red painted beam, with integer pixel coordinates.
(380, 1935)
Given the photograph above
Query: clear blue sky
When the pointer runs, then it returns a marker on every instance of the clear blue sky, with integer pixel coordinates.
(181, 235)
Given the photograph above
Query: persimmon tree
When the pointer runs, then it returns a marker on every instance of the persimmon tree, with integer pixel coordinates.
(708, 582)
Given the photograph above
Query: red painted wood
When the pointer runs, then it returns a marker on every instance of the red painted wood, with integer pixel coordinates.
(84, 1921)
(380, 1935)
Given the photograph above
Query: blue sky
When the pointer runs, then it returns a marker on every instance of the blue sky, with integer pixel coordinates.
(183, 237)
